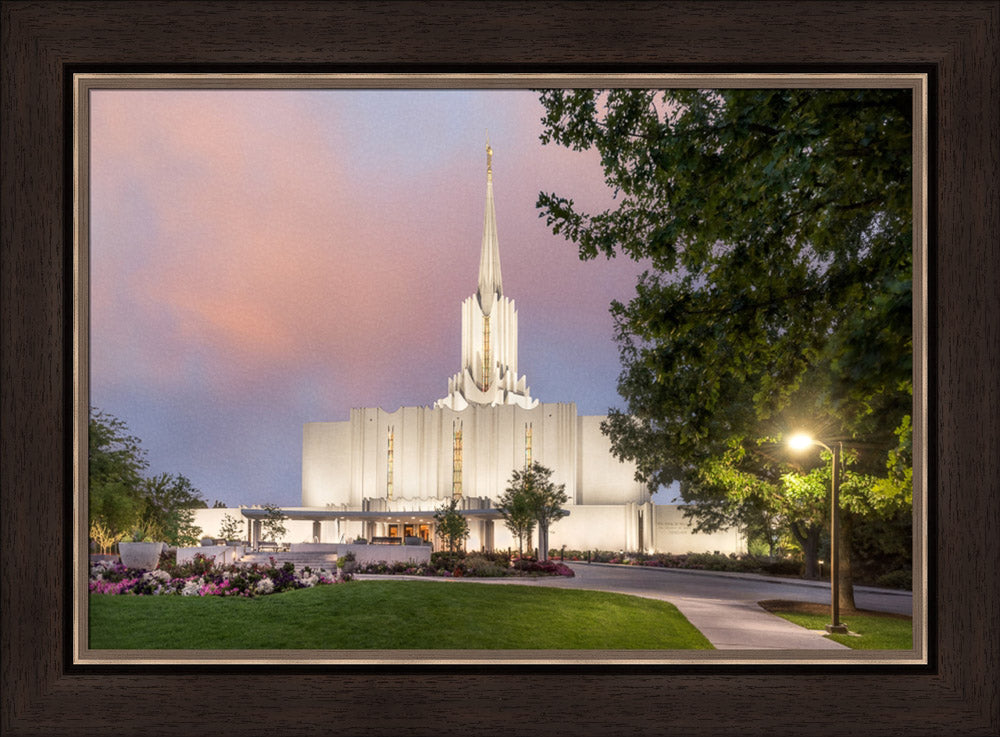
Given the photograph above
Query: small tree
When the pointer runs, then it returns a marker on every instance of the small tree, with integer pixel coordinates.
(103, 536)
(546, 501)
(516, 506)
(451, 525)
(231, 528)
(273, 523)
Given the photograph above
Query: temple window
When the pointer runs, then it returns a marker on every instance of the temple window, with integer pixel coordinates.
(456, 464)
(390, 441)
(486, 352)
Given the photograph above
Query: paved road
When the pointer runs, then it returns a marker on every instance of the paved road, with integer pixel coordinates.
(722, 606)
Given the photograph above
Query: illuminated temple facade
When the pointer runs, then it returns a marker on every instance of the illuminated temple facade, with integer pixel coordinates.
(380, 475)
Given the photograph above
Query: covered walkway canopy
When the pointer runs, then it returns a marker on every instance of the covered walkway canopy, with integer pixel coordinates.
(373, 521)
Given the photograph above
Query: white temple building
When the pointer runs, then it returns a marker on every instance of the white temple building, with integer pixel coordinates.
(380, 475)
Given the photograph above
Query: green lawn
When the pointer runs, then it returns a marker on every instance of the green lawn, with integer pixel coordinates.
(394, 615)
(871, 630)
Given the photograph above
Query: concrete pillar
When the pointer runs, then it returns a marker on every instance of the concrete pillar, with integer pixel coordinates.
(255, 534)
(648, 520)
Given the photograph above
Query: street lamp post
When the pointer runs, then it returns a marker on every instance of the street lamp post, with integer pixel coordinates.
(801, 442)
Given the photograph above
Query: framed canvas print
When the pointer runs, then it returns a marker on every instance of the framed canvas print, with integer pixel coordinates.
(194, 301)
(258, 254)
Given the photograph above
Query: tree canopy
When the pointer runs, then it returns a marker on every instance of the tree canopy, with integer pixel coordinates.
(273, 523)
(116, 462)
(532, 498)
(776, 228)
(451, 524)
(123, 500)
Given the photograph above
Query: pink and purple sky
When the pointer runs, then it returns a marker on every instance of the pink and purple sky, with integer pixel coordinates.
(263, 259)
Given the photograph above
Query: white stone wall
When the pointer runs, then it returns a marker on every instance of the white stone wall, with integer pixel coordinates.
(326, 462)
(345, 462)
(591, 527)
(603, 478)
(387, 553)
(673, 534)
(210, 522)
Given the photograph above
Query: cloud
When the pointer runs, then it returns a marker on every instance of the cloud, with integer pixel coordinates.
(261, 259)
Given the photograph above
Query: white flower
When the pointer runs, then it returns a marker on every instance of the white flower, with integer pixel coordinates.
(191, 587)
(264, 586)
(311, 580)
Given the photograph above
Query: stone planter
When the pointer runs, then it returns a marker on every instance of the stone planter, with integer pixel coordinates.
(144, 556)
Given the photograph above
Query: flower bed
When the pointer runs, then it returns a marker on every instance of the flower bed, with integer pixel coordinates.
(692, 561)
(200, 577)
(474, 565)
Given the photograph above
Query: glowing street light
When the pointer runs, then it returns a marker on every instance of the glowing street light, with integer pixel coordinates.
(800, 442)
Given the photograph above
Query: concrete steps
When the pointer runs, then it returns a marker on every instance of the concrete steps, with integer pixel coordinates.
(315, 561)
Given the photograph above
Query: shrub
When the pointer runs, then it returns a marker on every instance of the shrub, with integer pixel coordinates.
(782, 567)
(478, 564)
(198, 566)
(445, 560)
(896, 580)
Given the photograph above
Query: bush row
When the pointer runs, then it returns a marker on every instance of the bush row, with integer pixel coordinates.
(477, 565)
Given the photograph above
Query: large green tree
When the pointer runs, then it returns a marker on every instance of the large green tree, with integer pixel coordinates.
(122, 497)
(776, 227)
(116, 463)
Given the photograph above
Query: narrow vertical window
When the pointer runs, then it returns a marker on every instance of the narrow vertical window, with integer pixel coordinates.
(486, 352)
(527, 444)
(456, 462)
(389, 443)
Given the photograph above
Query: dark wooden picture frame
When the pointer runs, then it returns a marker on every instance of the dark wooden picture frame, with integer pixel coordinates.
(956, 43)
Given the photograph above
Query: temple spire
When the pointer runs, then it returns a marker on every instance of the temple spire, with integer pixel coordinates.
(489, 330)
(490, 283)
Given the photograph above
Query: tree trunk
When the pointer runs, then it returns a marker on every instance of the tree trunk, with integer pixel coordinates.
(543, 542)
(845, 590)
(811, 551)
(809, 540)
